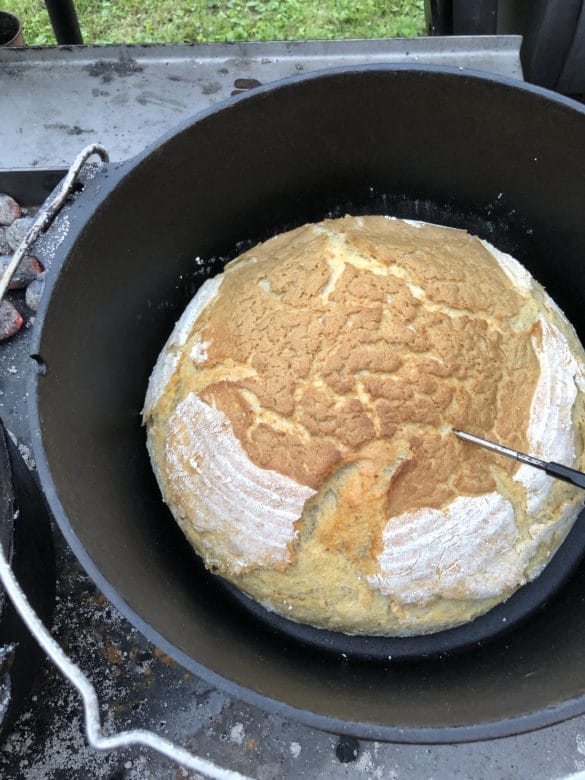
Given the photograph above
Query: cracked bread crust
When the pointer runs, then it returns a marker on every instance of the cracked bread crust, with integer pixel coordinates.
(338, 357)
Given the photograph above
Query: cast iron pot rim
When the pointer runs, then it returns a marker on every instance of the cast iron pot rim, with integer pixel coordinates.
(408, 734)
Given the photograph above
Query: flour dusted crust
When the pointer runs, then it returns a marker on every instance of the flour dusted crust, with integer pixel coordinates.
(300, 423)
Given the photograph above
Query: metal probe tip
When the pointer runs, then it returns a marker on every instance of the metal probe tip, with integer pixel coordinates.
(501, 450)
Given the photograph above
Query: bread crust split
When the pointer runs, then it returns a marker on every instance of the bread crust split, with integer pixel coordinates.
(299, 422)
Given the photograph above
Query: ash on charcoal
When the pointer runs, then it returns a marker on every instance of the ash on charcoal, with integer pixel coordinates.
(28, 270)
(9, 210)
(4, 245)
(34, 291)
(25, 452)
(10, 320)
(27, 456)
(65, 749)
(18, 231)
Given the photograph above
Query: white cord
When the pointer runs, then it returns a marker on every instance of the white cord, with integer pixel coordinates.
(90, 701)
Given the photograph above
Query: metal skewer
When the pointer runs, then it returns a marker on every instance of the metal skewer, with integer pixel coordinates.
(556, 470)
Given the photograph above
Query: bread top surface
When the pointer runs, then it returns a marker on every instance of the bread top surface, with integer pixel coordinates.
(300, 424)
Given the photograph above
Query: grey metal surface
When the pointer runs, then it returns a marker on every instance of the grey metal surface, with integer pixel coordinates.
(53, 101)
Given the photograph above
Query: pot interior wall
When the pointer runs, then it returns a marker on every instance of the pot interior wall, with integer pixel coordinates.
(506, 162)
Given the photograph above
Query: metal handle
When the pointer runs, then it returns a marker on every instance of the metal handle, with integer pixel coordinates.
(566, 473)
(70, 670)
(73, 673)
(49, 211)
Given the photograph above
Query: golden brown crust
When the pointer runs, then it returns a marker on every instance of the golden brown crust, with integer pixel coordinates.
(370, 361)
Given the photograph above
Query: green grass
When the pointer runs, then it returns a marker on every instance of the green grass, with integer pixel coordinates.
(167, 21)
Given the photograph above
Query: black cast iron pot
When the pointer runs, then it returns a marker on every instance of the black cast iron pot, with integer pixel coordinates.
(506, 161)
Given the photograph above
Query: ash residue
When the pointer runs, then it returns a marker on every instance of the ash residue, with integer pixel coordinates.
(69, 129)
(107, 71)
(89, 171)
(25, 452)
(210, 87)
(15, 71)
(48, 243)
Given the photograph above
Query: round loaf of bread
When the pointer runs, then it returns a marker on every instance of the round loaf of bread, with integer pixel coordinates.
(299, 422)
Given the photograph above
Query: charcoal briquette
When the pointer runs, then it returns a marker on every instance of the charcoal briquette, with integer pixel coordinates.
(9, 210)
(10, 320)
(34, 292)
(17, 231)
(28, 270)
(4, 245)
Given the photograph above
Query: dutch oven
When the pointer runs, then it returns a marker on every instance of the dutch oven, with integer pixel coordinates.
(502, 159)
